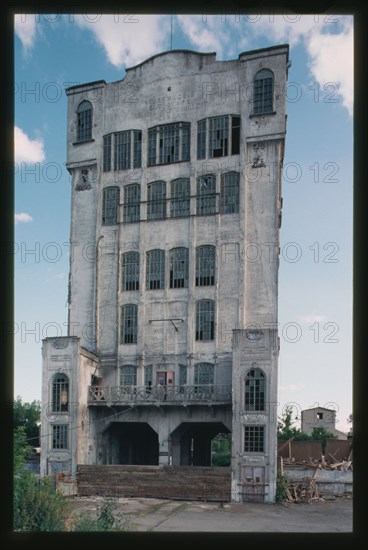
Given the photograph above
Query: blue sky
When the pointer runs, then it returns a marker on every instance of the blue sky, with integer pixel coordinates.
(315, 290)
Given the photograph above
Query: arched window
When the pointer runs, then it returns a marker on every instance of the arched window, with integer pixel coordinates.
(130, 271)
(205, 265)
(206, 194)
(203, 373)
(205, 320)
(180, 198)
(128, 375)
(84, 121)
(255, 390)
(110, 205)
(60, 393)
(263, 92)
(179, 264)
(129, 324)
(132, 200)
(156, 200)
(155, 270)
(229, 197)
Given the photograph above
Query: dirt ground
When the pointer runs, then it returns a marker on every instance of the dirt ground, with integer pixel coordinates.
(143, 514)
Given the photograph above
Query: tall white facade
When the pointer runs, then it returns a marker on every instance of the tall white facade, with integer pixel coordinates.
(175, 217)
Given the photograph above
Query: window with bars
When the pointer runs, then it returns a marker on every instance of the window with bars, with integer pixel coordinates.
(254, 439)
(156, 200)
(229, 196)
(128, 375)
(169, 143)
(59, 436)
(204, 373)
(155, 270)
(206, 195)
(205, 265)
(132, 203)
(110, 205)
(180, 198)
(122, 146)
(84, 121)
(255, 390)
(179, 267)
(183, 374)
(263, 92)
(201, 139)
(130, 271)
(218, 137)
(107, 153)
(205, 320)
(129, 324)
(60, 393)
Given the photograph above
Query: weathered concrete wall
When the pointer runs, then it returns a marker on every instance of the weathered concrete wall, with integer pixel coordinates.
(328, 481)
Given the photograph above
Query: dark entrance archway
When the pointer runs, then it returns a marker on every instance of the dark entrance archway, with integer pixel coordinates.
(130, 443)
(192, 442)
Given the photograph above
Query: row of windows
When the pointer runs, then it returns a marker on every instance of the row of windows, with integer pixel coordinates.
(171, 142)
(179, 201)
(205, 267)
(254, 437)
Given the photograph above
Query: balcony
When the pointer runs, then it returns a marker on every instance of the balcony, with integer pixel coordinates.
(159, 395)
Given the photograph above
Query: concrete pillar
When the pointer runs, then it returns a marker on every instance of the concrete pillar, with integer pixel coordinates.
(163, 442)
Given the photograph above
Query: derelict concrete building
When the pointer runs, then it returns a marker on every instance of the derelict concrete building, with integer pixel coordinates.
(175, 217)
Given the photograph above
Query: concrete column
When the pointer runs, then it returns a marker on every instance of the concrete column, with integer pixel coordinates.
(164, 449)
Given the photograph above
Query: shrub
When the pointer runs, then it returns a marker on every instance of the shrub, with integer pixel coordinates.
(106, 520)
(281, 487)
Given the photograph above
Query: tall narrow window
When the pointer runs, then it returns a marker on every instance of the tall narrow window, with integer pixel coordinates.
(137, 152)
(205, 320)
(122, 150)
(206, 195)
(129, 324)
(60, 393)
(132, 203)
(203, 374)
(130, 271)
(152, 146)
(110, 205)
(107, 153)
(59, 436)
(254, 439)
(179, 259)
(84, 121)
(201, 139)
(180, 198)
(156, 200)
(255, 390)
(155, 273)
(235, 135)
(128, 375)
(218, 136)
(148, 377)
(229, 197)
(185, 141)
(263, 92)
(183, 375)
(205, 265)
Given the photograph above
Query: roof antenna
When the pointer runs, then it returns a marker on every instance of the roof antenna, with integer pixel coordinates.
(171, 22)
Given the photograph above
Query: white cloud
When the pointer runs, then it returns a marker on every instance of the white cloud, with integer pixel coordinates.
(206, 35)
(313, 318)
(27, 150)
(23, 217)
(25, 28)
(129, 39)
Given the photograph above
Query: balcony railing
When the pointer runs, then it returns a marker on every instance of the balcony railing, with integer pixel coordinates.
(145, 395)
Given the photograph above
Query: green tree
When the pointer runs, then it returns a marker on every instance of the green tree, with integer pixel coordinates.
(28, 416)
(321, 434)
(21, 449)
(286, 429)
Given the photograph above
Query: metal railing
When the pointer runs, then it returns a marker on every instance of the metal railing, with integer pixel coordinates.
(159, 394)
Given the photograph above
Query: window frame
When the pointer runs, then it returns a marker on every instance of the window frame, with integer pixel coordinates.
(180, 197)
(130, 374)
(130, 271)
(128, 334)
(254, 443)
(131, 208)
(60, 437)
(156, 201)
(203, 269)
(179, 275)
(205, 320)
(255, 397)
(84, 121)
(60, 383)
(155, 258)
(229, 200)
(263, 93)
(208, 374)
(169, 143)
(206, 203)
(107, 216)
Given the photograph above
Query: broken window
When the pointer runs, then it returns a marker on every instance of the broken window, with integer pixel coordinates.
(128, 375)
(319, 416)
(203, 373)
(60, 393)
(169, 143)
(263, 92)
(254, 439)
(205, 265)
(206, 195)
(179, 266)
(132, 203)
(155, 274)
(156, 200)
(229, 196)
(84, 121)
(205, 320)
(110, 205)
(255, 390)
(180, 198)
(201, 139)
(129, 324)
(215, 137)
(60, 436)
(107, 153)
(130, 271)
(218, 137)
